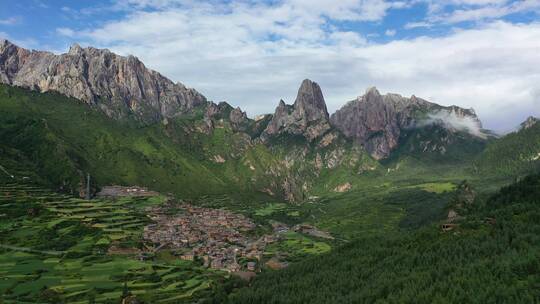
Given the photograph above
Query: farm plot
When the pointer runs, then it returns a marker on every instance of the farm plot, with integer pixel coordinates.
(54, 248)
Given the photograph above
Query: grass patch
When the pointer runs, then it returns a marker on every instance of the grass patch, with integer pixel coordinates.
(270, 209)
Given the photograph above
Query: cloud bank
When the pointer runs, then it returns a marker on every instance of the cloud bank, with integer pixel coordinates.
(452, 121)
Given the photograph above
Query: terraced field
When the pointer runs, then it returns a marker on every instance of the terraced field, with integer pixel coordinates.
(53, 249)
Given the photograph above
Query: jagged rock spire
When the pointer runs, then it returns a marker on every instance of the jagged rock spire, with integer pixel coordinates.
(310, 101)
(75, 49)
(308, 116)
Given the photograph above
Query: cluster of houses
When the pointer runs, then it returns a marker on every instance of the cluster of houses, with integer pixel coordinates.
(218, 238)
(215, 236)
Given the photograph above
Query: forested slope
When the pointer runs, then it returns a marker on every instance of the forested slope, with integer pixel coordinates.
(514, 154)
(492, 257)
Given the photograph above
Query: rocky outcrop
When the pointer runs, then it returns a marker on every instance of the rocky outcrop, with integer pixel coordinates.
(238, 119)
(374, 120)
(529, 123)
(343, 187)
(377, 121)
(118, 85)
(307, 117)
(219, 113)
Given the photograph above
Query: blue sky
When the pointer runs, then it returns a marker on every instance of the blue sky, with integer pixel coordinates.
(473, 53)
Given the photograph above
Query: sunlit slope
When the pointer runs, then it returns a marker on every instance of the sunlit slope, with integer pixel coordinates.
(494, 251)
(65, 139)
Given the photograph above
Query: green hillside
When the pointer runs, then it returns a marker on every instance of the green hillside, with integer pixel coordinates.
(64, 139)
(495, 252)
(512, 155)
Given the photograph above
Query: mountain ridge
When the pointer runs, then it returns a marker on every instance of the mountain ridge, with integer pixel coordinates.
(116, 84)
(377, 121)
(122, 86)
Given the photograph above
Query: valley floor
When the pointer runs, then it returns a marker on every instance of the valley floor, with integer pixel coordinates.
(101, 250)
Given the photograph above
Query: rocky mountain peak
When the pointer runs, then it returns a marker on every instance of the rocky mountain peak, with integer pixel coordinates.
(377, 121)
(372, 91)
(75, 49)
(5, 47)
(308, 116)
(310, 101)
(529, 122)
(116, 84)
(238, 117)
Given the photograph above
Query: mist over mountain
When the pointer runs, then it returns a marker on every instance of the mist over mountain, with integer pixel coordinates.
(455, 120)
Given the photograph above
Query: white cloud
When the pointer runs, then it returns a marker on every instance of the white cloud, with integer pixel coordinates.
(452, 121)
(479, 10)
(358, 10)
(412, 25)
(65, 32)
(390, 33)
(254, 54)
(10, 21)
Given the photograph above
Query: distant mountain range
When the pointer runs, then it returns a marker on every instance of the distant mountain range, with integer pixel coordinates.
(122, 86)
(298, 150)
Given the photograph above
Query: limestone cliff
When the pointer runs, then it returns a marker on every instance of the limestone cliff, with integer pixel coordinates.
(118, 85)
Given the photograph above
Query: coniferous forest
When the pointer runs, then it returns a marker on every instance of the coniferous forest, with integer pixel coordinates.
(493, 257)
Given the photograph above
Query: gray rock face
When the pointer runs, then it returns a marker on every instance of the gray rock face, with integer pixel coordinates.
(376, 121)
(238, 119)
(118, 85)
(224, 111)
(307, 117)
(529, 122)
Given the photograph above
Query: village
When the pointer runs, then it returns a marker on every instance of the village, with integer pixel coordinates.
(218, 238)
(215, 236)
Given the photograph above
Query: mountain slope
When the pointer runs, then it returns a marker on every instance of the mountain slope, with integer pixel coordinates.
(514, 154)
(135, 126)
(65, 139)
(118, 85)
(495, 252)
(377, 121)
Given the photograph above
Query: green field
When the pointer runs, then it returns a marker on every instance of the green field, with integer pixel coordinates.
(59, 253)
(296, 246)
(270, 209)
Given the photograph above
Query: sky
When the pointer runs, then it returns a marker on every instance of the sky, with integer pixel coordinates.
(481, 54)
